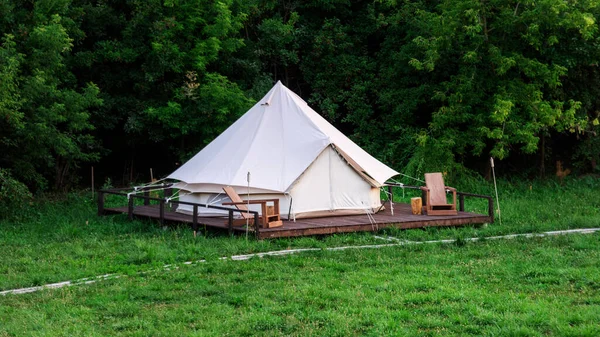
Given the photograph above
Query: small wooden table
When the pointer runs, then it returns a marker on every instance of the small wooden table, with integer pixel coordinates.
(267, 220)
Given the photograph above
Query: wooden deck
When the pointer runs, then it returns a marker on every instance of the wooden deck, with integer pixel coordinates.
(402, 218)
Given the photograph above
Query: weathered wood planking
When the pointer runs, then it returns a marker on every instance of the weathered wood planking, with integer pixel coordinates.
(402, 218)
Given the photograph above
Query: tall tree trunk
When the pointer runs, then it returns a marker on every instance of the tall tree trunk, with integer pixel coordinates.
(131, 170)
(488, 170)
(62, 169)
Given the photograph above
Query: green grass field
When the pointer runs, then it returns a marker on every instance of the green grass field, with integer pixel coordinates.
(527, 287)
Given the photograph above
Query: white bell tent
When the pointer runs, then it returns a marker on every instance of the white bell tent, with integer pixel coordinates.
(281, 148)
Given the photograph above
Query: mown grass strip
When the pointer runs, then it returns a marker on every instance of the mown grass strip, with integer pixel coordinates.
(297, 251)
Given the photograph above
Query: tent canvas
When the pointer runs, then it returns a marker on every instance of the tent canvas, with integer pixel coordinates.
(289, 152)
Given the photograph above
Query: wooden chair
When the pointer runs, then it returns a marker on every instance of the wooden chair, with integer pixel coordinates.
(269, 216)
(434, 201)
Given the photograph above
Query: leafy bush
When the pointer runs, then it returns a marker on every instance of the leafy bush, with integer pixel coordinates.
(587, 154)
(13, 194)
(435, 157)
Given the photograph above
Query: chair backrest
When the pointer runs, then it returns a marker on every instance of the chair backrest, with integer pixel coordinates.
(236, 198)
(437, 188)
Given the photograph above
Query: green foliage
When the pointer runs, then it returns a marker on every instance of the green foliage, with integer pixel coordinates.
(162, 69)
(587, 155)
(444, 85)
(493, 71)
(423, 86)
(206, 109)
(434, 157)
(13, 194)
(45, 112)
(10, 101)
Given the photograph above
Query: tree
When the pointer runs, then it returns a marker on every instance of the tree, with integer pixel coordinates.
(45, 128)
(492, 71)
(165, 71)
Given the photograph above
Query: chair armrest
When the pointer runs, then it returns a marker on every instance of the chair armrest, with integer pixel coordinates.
(425, 189)
(450, 188)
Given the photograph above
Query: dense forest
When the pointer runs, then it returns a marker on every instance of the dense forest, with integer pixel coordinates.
(128, 85)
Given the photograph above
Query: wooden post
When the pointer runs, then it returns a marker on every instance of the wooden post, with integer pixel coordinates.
(391, 193)
(230, 223)
(195, 220)
(263, 211)
(416, 205)
(256, 225)
(168, 194)
(461, 203)
(100, 203)
(151, 175)
(130, 208)
(162, 211)
(146, 196)
(491, 209)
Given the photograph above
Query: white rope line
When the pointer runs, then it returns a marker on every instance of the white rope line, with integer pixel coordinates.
(174, 195)
(152, 183)
(369, 211)
(246, 257)
(496, 189)
(135, 191)
(402, 174)
(61, 284)
(390, 197)
(183, 188)
(154, 189)
(402, 186)
(397, 182)
(177, 195)
(390, 238)
(374, 225)
(217, 201)
(288, 196)
(214, 200)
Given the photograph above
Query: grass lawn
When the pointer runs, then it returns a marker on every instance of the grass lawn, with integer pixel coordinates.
(527, 287)
(517, 287)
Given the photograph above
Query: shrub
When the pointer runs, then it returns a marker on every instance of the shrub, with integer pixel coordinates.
(13, 194)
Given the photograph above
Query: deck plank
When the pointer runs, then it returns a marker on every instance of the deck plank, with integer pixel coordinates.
(402, 218)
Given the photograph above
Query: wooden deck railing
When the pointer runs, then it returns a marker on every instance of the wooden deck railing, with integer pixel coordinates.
(162, 202)
(461, 198)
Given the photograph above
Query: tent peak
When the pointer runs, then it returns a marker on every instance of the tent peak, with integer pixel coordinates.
(277, 140)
